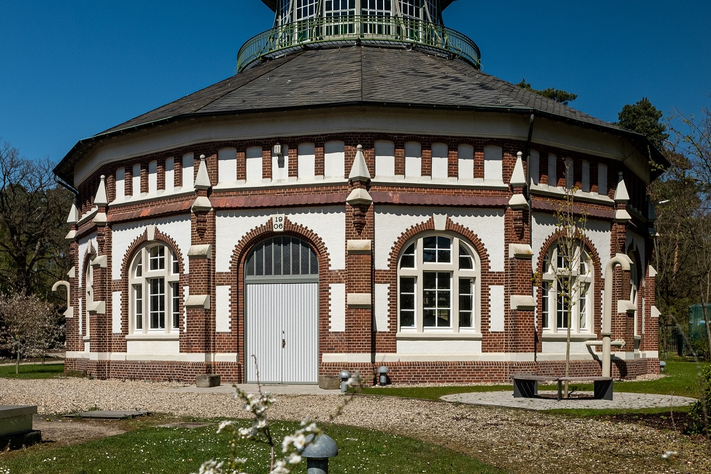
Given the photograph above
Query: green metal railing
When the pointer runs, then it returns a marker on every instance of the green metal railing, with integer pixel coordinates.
(335, 30)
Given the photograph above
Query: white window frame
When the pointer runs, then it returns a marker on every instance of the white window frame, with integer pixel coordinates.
(89, 296)
(414, 251)
(635, 284)
(581, 318)
(152, 308)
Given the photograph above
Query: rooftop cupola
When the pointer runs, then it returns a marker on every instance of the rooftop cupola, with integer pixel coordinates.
(304, 24)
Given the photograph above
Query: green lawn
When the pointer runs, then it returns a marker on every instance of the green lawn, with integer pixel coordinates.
(32, 371)
(181, 450)
(682, 379)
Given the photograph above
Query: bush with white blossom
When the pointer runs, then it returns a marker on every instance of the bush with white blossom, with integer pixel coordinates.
(292, 446)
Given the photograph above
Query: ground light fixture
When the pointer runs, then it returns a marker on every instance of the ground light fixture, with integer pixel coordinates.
(383, 375)
(318, 450)
(344, 375)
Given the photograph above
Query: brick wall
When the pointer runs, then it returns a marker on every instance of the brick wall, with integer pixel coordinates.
(521, 333)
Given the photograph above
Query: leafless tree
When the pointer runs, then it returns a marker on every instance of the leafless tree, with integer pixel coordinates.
(33, 251)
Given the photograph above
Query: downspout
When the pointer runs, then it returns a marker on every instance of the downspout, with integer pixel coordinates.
(527, 191)
(625, 262)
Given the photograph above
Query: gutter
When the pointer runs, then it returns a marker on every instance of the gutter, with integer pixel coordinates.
(84, 145)
(60, 181)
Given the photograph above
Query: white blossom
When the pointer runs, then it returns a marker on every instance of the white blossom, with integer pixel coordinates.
(224, 425)
(280, 468)
(293, 458)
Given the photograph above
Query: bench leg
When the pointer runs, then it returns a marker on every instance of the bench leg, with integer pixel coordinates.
(560, 390)
(525, 388)
(603, 390)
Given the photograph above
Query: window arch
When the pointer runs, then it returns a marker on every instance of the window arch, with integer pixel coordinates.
(567, 288)
(438, 288)
(154, 277)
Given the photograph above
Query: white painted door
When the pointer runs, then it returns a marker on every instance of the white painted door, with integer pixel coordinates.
(281, 312)
(282, 332)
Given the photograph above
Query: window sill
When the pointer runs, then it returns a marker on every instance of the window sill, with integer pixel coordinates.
(153, 337)
(438, 335)
(562, 336)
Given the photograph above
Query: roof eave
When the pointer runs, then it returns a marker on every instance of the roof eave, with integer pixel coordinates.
(83, 146)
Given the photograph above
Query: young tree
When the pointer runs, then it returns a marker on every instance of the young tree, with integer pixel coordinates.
(570, 258)
(29, 326)
(565, 268)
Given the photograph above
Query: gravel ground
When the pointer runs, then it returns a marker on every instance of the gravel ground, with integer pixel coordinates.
(518, 441)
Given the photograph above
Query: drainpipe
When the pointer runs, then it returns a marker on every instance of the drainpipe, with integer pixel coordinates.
(527, 154)
(625, 262)
(527, 190)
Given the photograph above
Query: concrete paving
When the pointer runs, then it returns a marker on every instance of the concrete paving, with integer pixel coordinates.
(547, 401)
(620, 400)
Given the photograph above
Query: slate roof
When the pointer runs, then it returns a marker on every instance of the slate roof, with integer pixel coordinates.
(347, 76)
(359, 75)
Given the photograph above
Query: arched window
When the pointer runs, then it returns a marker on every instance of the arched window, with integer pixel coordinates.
(635, 282)
(155, 290)
(437, 285)
(567, 288)
(88, 294)
(281, 256)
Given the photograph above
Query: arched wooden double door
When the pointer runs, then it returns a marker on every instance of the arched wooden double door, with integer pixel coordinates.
(281, 312)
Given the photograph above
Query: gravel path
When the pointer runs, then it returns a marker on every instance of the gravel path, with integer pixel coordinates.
(518, 441)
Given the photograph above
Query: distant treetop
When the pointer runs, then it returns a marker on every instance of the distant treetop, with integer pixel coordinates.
(557, 95)
(644, 118)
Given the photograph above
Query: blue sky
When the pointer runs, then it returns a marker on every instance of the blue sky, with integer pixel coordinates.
(70, 69)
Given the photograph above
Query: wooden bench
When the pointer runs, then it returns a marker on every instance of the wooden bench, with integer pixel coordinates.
(526, 386)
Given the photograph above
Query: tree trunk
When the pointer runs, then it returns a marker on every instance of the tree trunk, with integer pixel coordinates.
(567, 338)
(17, 363)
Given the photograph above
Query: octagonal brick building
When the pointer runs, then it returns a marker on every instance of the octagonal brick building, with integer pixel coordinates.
(360, 193)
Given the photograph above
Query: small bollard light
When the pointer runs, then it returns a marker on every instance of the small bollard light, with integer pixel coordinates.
(662, 365)
(317, 452)
(344, 375)
(383, 375)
